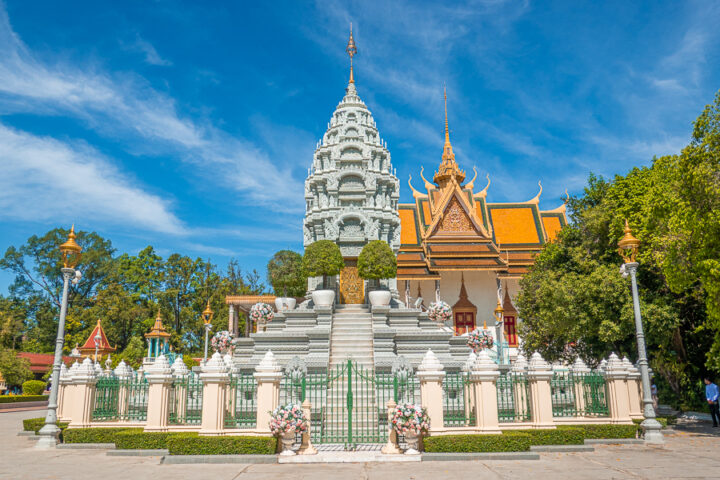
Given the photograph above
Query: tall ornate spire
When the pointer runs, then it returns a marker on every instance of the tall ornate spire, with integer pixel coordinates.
(448, 168)
(351, 50)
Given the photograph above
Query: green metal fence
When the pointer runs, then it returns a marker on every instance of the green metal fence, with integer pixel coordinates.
(562, 390)
(107, 391)
(513, 398)
(349, 403)
(594, 394)
(134, 391)
(185, 402)
(241, 407)
(458, 404)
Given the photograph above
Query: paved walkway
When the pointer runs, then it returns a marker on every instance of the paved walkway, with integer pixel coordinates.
(693, 451)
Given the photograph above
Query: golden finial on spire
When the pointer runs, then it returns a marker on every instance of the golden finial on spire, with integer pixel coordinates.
(448, 168)
(447, 130)
(351, 50)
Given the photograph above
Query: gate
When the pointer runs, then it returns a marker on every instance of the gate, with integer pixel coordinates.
(349, 403)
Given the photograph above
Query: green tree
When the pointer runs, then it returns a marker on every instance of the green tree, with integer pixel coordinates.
(285, 274)
(323, 258)
(377, 261)
(14, 370)
(133, 353)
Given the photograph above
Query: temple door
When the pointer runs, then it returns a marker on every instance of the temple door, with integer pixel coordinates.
(352, 289)
(464, 322)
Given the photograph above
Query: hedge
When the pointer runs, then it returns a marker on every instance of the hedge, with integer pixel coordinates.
(95, 435)
(507, 442)
(35, 424)
(562, 435)
(191, 444)
(132, 440)
(610, 431)
(22, 398)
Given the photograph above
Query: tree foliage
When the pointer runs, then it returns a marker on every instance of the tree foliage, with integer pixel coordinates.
(574, 302)
(14, 370)
(322, 258)
(285, 274)
(377, 261)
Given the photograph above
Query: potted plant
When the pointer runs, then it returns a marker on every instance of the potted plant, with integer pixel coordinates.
(377, 261)
(480, 339)
(222, 341)
(411, 421)
(261, 313)
(439, 311)
(285, 422)
(285, 274)
(323, 258)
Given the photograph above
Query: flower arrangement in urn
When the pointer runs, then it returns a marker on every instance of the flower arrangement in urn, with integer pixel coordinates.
(286, 422)
(480, 339)
(439, 311)
(221, 341)
(261, 313)
(411, 421)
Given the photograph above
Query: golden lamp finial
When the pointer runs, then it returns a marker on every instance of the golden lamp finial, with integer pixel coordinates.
(351, 50)
(70, 250)
(628, 245)
(207, 314)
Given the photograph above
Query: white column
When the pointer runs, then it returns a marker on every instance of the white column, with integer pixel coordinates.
(634, 386)
(539, 375)
(232, 320)
(616, 377)
(215, 377)
(519, 369)
(483, 377)
(431, 373)
(268, 375)
(159, 377)
(84, 381)
(124, 373)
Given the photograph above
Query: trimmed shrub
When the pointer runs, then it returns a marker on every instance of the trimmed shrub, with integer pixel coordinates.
(562, 435)
(131, 440)
(610, 431)
(33, 387)
(377, 261)
(35, 424)
(191, 444)
(22, 398)
(506, 442)
(95, 435)
(322, 258)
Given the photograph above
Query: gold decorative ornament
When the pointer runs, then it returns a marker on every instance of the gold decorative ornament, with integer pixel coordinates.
(455, 219)
(448, 169)
(71, 250)
(207, 314)
(351, 50)
(628, 245)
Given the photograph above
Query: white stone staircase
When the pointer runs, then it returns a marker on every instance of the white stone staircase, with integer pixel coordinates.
(351, 337)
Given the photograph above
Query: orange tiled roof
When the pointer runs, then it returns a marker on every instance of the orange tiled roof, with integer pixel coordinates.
(408, 227)
(515, 225)
(89, 345)
(41, 362)
(552, 226)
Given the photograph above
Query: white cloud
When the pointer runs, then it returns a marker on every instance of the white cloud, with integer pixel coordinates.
(152, 56)
(46, 179)
(127, 106)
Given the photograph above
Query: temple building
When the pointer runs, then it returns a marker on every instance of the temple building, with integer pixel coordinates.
(458, 247)
(96, 342)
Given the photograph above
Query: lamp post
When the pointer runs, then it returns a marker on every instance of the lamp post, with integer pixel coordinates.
(97, 340)
(207, 315)
(70, 251)
(628, 248)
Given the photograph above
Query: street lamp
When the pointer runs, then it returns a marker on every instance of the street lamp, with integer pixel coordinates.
(97, 340)
(207, 315)
(70, 251)
(628, 248)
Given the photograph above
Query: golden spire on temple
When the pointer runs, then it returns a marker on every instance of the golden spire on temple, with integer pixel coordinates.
(448, 168)
(351, 50)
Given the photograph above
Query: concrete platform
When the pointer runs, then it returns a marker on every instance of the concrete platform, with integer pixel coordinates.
(444, 457)
(348, 457)
(215, 459)
(562, 448)
(138, 453)
(614, 441)
(85, 446)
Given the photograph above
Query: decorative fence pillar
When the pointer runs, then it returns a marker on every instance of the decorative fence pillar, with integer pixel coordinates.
(178, 401)
(539, 375)
(483, 376)
(62, 387)
(159, 377)
(430, 373)
(579, 370)
(83, 398)
(215, 378)
(268, 375)
(468, 393)
(306, 447)
(519, 370)
(616, 377)
(634, 386)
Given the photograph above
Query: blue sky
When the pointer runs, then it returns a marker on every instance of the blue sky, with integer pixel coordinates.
(190, 125)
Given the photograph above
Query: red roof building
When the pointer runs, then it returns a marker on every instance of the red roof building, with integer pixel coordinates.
(103, 346)
(41, 362)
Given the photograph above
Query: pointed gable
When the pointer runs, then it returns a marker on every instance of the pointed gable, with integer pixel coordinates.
(456, 217)
(103, 345)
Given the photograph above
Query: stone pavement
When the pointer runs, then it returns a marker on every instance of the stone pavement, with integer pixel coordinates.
(692, 451)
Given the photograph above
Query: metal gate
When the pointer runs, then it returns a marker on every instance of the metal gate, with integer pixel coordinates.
(349, 403)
